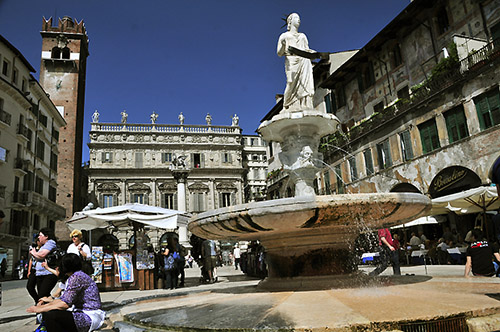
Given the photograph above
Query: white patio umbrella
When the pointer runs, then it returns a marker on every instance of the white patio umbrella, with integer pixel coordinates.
(123, 215)
(475, 200)
(420, 221)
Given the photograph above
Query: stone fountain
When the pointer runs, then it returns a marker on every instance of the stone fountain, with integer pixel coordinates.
(309, 243)
(308, 238)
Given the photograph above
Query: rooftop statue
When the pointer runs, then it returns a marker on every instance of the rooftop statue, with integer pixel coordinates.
(154, 117)
(95, 116)
(124, 116)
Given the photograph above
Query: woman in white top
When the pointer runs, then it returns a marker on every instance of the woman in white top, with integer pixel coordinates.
(78, 247)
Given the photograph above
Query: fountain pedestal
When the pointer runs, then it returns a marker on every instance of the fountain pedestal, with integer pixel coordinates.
(299, 134)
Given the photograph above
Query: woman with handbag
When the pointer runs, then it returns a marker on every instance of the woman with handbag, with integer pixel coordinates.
(45, 280)
(82, 250)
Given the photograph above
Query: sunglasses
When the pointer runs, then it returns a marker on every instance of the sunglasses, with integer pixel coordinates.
(75, 236)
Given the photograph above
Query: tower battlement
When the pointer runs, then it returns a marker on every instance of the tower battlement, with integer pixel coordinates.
(64, 25)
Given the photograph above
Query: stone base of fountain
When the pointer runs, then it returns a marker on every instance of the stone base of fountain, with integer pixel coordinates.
(443, 300)
(309, 236)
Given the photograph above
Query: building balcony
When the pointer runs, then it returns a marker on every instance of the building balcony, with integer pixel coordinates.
(23, 132)
(19, 199)
(5, 118)
(21, 166)
(37, 202)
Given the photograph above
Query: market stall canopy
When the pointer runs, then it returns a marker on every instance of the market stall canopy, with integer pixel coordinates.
(420, 221)
(122, 215)
(475, 200)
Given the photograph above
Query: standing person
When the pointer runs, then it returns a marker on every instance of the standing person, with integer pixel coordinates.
(495, 175)
(237, 255)
(479, 256)
(31, 284)
(388, 253)
(181, 261)
(209, 256)
(299, 89)
(82, 293)
(3, 267)
(169, 266)
(45, 280)
(81, 249)
(78, 247)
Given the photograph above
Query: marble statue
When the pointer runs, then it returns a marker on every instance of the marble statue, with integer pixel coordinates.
(124, 116)
(95, 116)
(305, 159)
(299, 74)
(235, 120)
(181, 118)
(154, 116)
(178, 162)
(208, 118)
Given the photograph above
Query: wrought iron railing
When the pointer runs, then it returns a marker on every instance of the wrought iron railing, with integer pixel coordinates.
(5, 117)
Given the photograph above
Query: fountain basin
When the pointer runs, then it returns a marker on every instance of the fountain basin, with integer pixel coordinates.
(309, 236)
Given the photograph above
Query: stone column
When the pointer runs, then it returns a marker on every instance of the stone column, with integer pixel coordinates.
(124, 191)
(181, 174)
(154, 200)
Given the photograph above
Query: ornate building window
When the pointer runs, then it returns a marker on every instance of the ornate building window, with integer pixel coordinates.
(197, 193)
(107, 157)
(166, 157)
(108, 194)
(139, 193)
(197, 160)
(227, 193)
(168, 195)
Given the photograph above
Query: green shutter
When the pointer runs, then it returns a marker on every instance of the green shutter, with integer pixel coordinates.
(481, 108)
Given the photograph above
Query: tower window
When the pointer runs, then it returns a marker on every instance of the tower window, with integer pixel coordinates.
(56, 53)
(65, 53)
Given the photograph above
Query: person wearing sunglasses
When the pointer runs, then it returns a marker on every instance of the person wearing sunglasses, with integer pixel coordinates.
(78, 247)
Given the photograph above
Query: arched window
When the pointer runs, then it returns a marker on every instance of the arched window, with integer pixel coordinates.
(109, 242)
(131, 241)
(65, 53)
(56, 53)
(165, 238)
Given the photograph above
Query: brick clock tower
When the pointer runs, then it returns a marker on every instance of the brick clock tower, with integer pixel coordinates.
(62, 75)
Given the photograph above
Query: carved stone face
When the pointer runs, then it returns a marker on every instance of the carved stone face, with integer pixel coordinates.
(293, 20)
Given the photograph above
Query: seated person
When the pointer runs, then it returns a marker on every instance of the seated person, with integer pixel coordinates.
(81, 292)
(442, 252)
(415, 241)
(480, 255)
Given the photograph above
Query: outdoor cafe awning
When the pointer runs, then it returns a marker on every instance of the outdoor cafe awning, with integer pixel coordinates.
(123, 215)
(475, 200)
(429, 220)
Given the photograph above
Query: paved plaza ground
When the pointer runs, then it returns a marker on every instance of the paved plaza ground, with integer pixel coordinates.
(234, 302)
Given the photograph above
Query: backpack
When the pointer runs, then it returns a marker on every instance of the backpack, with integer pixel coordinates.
(54, 257)
(169, 262)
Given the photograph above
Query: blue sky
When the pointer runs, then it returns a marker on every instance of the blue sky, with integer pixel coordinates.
(195, 57)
